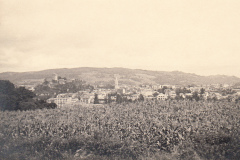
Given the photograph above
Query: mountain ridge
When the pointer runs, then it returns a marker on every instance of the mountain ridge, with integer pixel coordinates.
(94, 75)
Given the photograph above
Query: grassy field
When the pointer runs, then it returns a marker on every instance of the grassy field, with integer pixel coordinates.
(148, 130)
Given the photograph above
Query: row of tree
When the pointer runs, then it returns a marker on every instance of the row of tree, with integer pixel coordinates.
(19, 98)
(119, 98)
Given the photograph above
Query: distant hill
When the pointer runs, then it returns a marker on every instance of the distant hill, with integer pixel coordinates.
(126, 76)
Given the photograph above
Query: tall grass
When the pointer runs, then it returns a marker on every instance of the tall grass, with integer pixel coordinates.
(147, 130)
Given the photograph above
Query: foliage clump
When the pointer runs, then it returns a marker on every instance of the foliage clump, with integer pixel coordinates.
(12, 98)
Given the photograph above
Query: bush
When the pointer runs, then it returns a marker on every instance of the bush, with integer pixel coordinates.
(12, 98)
(27, 106)
(8, 102)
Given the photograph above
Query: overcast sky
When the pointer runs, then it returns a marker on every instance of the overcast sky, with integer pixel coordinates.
(195, 36)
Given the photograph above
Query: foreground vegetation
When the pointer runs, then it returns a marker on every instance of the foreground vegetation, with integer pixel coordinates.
(146, 130)
(19, 98)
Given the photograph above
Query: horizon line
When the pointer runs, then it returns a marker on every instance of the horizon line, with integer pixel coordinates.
(119, 68)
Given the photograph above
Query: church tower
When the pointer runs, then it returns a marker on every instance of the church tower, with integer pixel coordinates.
(55, 77)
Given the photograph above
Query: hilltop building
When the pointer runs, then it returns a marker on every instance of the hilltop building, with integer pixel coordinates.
(55, 77)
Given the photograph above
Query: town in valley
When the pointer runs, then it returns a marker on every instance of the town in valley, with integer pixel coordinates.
(74, 92)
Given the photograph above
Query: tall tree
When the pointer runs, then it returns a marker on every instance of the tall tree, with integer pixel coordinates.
(195, 96)
(202, 91)
(23, 94)
(6, 87)
(96, 101)
(109, 99)
(141, 98)
(119, 98)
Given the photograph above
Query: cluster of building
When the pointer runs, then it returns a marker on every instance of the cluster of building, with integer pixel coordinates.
(147, 92)
(57, 80)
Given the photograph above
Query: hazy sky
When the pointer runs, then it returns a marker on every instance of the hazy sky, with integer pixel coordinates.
(196, 36)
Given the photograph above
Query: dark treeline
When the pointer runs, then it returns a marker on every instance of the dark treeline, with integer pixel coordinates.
(19, 98)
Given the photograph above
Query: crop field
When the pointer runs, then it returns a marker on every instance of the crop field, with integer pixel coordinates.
(144, 130)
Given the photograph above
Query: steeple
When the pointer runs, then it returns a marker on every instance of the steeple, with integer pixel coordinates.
(55, 77)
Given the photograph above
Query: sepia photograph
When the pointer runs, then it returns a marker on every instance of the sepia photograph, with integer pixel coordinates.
(119, 79)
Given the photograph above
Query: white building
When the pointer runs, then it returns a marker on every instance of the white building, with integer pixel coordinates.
(147, 92)
(87, 99)
(64, 99)
(162, 96)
